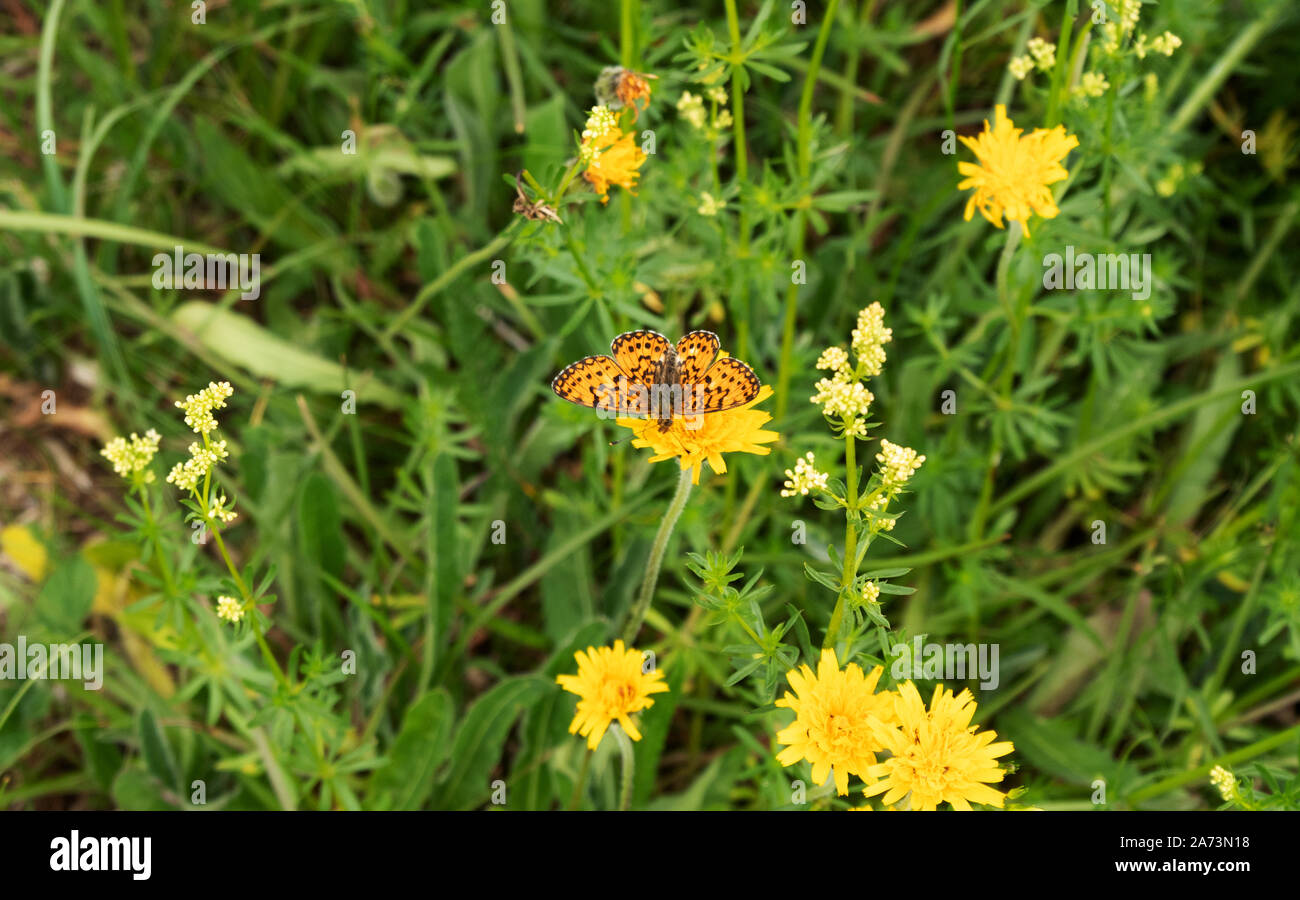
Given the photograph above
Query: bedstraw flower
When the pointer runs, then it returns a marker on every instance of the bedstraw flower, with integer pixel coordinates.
(230, 609)
(804, 478)
(131, 457)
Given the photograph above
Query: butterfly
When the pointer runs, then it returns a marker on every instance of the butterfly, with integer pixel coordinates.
(649, 376)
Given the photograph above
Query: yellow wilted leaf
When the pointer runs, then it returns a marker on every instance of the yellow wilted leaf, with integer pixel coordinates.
(26, 552)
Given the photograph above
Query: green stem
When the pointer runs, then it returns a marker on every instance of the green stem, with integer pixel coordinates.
(844, 115)
(627, 57)
(247, 597)
(163, 565)
(1003, 399)
(637, 614)
(583, 271)
(1228, 759)
(804, 158)
(850, 542)
(629, 766)
(469, 261)
(576, 799)
(741, 296)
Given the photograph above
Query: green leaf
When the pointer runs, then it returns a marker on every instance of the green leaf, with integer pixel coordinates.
(135, 790)
(406, 781)
(102, 758)
(654, 725)
(322, 524)
(157, 752)
(66, 597)
(240, 341)
(480, 738)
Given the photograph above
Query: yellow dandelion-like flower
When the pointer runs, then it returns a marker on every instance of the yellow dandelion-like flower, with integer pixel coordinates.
(230, 609)
(130, 457)
(937, 755)
(693, 440)
(833, 714)
(610, 684)
(610, 154)
(1015, 171)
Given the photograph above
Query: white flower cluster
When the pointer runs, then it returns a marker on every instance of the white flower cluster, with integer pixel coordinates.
(129, 457)
(230, 609)
(198, 407)
(897, 464)
(804, 479)
(187, 475)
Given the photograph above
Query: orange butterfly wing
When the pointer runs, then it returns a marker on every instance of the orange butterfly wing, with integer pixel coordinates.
(727, 384)
(638, 353)
(696, 353)
(599, 382)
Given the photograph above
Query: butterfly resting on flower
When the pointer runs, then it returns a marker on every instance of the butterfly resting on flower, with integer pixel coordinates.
(649, 376)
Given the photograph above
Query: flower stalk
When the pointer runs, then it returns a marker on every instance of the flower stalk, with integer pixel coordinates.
(637, 614)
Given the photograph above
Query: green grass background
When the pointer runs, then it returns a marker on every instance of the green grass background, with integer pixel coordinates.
(1121, 662)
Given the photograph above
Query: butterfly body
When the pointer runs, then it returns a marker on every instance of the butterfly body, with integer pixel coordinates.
(649, 376)
(668, 372)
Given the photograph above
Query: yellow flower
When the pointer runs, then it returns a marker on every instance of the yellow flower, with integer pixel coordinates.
(611, 155)
(1014, 171)
(937, 756)
(693, 440)
(610, 684)
(832, 725)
